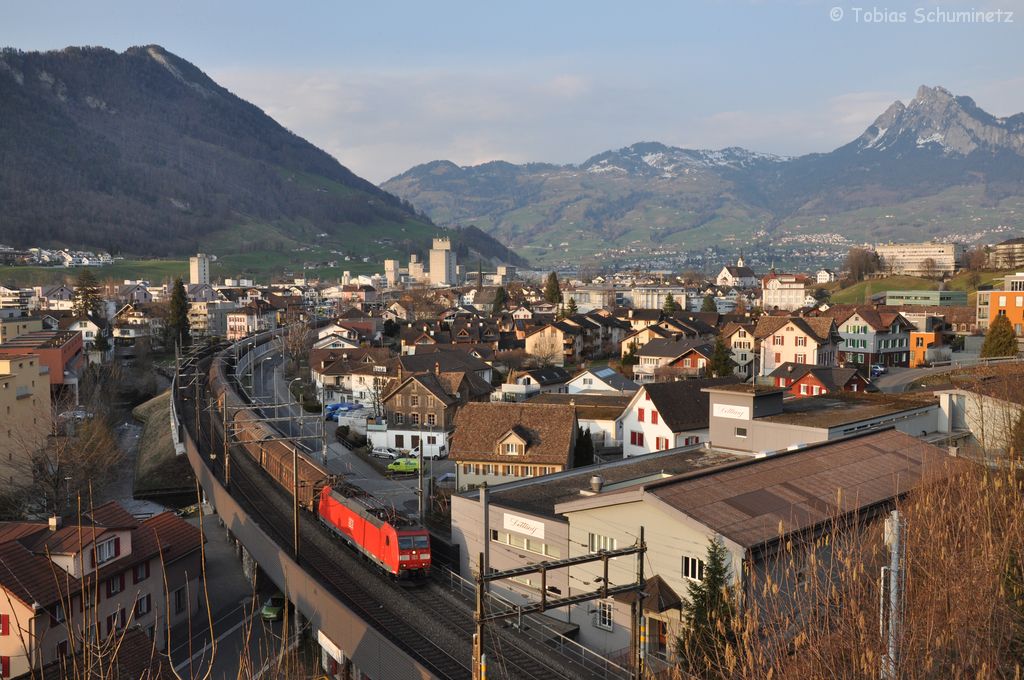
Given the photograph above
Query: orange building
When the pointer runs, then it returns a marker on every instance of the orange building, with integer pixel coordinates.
(1007, 301)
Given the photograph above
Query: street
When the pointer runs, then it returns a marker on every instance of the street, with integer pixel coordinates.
(271, 388)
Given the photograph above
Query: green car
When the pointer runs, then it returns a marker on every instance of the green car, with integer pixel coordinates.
(404, 465)
(273, 608)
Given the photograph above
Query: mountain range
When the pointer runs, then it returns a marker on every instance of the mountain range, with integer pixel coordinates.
(140, 152)
(938, 167)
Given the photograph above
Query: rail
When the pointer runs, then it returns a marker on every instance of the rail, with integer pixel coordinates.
(534, 627)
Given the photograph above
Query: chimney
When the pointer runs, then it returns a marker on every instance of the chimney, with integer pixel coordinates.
(56, 522)
(596, 483)
(437, 368)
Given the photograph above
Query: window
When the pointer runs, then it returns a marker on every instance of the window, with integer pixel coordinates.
(654, 417)
(640, 415)
(431, 440)
(604, 618)
(511, 449)
(115, 584)
(414, 400)
(140, 573)
(179, 600)
(399, 419)
(800, 358)
(801, 341)
(598, 542)
(143, 605)
(778, 340)
(107, 550)
(636, 438)
(741, 432)
(399, 441)
(414, 418)
(803, 389)
(693, 568)
(431, 419)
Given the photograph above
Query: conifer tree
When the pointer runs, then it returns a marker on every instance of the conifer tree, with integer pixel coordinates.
(721, 359)
(500, 298)
(87, 300)
(177, 318)
(670, 305)
(583, 454)
(708, 614)
(1000, 340)
(552, 289)
(571, 307)
(709, 304)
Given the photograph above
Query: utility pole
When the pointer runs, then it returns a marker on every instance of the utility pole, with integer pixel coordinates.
(637, 608)
(419, 476)
(295, 501)
(479, 669)
(891, 621)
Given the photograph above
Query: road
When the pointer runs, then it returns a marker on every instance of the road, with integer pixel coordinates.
(270, 387)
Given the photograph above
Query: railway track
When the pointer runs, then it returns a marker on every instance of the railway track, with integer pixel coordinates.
(445, 649)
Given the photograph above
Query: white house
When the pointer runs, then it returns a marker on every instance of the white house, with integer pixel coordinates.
(601, 380)
(738, 276)
(667, 415)
(825, 276)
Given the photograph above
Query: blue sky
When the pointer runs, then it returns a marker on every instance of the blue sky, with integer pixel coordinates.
(386, 85)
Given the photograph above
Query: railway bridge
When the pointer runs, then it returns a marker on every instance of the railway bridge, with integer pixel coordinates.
(366, 625)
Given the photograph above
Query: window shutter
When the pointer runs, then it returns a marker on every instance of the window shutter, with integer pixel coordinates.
(121, 579)
(92, 558)
(147, 569)
(4, 626)
(5, 666)
(110, 589)
(117, 546)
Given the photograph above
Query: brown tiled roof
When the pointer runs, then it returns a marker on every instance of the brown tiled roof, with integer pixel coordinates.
(113, 516)
(818, 327)
(756, 501)
(658, 596)
(588, 406)
(832, 377)
(682, 404)
(549, 431)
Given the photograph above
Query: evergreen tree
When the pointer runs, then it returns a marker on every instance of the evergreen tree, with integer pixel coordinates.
(87, 301)
(500, 298)
(1000, 340)
(708, 613)
(709, 304)
(721, 359)
(571, 308)
(583, 454)
(630, 358)
(177, 318)
(670, 305)
(552, 289)
(101, 344)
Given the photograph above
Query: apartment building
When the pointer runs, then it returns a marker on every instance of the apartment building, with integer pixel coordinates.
(920, 259)
(60, 579)
(870, 336)
(443, 263)
(796, 339)
(1007, 255)
(784, 291)
(25, 418)
(1007, 300)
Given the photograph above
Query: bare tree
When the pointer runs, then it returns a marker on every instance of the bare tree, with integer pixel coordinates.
(547, 351)
(295, 344)
(930, 268)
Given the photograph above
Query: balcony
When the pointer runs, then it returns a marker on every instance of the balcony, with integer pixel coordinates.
(23, 392)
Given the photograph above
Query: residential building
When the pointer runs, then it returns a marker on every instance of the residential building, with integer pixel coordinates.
(14, 297)
(254, 317)
(25, 418)
(524, 385)
(56, 298)
(784, 291)
(420, 410)
(870, 336)
(930, 298)
(134, 293)
(1007, 300)
(60, 579)
(210, 319)
(392, 277)
(796, 339)
(666, 359)
(558, 343)
(443, 263)
(61, 352)
(18, 323)
(737, 276)
(199, 269)
(667, 415)
(920, 259)
(739, 338)
(501, 442)
(928, 341)
(598, 380)
(653, 297)
(1008, 254)
(589, 298)
(758, 508)
(808, 380)
(990, 405)
(825, 276)
(598, 412)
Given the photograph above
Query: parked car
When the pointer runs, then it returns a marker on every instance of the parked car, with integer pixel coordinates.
(404, 465)
(273, 608)
(385, 452)
(877, 370)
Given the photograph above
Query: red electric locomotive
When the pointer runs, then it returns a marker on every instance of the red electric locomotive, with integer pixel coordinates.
(397, 544)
